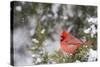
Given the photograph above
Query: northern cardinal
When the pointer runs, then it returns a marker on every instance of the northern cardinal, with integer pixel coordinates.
(69, 43)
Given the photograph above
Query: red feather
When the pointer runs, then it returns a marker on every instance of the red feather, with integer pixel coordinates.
(69, 43)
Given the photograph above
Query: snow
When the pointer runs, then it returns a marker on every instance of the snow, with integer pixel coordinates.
(93, 31)
(70, 10)
(55, 9)
(33, 55)
(77, 61)
(23, 3)
(42, 31)
(49, 15)
(38, 60)
(87, 30)
(32, 24)
(22, 59)
(43, 18)
(35, 40)
(83, 39)
(92, 55)
(64, 17)
(80, 13)
(50, 30)
(22, 42)
(51, 46)
(39, 9)
(31, 32)
(19, 8)
(92, 20)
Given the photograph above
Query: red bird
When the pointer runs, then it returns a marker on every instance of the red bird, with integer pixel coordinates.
(69, 43)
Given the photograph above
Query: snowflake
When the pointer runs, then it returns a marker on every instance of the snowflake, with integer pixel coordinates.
(19, 8)
(92, 55)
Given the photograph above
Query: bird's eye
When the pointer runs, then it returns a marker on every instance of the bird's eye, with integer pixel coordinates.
(62, 38)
